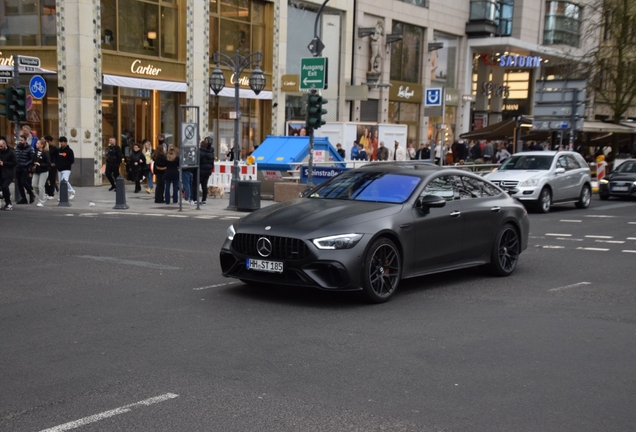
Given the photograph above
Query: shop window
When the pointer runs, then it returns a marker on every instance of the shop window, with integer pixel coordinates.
(498, 12)
(420, 3)
(407, 114)
(406, 54)
(444, 60)
(27, 23)
(138, 27)
(236, 9)
(562, 24)
(235, 36)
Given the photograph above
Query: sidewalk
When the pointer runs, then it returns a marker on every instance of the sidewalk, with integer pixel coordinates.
(99, 200)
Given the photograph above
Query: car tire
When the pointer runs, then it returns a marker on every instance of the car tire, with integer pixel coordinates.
(382, 270)
(505, 252)
(604, 197)
(544, 202)
(585, 197)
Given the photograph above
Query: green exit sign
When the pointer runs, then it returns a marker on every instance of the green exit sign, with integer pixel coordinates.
(313, 73)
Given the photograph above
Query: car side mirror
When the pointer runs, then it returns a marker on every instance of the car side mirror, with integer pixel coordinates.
(559, 170)
(430, 201)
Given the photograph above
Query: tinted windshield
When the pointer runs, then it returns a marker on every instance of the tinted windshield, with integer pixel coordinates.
(368, 186)
(626, 167)
(526, 162)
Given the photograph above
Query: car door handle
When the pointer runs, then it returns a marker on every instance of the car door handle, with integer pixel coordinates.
(455, 214)
(495, 209)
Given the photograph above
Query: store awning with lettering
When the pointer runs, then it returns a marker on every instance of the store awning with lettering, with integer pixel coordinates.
(145, 84)
(244, 93)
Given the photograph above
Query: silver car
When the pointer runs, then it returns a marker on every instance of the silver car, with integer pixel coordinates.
(542, 178)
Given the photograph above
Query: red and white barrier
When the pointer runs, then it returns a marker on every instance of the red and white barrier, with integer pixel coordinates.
(600, 170)
(222, 174)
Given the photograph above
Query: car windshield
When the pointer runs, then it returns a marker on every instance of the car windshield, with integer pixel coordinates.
(368, 186)
(626, 168)
(527, 162)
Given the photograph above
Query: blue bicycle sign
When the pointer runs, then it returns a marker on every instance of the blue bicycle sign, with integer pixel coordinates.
(37, 86)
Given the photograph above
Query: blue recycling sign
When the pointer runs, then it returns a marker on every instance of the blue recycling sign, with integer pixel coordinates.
(37, 86)
(433, 97)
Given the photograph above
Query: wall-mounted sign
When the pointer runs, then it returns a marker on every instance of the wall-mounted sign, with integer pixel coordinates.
(405, 92)
(289, 83)
(469, 98)
(511, 61)
(489, 88)
(139, 69)
(37, 86)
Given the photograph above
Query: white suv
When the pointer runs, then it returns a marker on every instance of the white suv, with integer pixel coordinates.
(544, 178)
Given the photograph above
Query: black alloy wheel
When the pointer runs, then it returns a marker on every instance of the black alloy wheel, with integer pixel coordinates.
(382, 270)
(505, 252)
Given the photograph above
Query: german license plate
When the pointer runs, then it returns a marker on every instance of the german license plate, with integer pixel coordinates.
(265, 266)
(620, 188)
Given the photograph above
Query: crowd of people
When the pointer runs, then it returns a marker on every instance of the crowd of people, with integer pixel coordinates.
(38, 166)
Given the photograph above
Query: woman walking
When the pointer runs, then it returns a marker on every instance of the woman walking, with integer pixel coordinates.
(206, 166)
(138, 164)
(147, 151)
(159, 159)
(51, 186)
(171, 176)
(8, 161)
(41, 165)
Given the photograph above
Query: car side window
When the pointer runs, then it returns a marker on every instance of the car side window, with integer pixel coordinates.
(444, 187)
(562, 162)
(573, 163)
(470, 188)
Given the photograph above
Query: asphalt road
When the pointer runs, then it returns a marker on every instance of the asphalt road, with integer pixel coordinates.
(124, 323)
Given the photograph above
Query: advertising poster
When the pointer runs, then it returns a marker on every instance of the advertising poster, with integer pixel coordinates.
(367, 135)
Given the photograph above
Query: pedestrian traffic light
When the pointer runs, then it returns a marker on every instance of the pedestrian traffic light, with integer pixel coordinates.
(18, 103)
(315, 111)
(5, 102)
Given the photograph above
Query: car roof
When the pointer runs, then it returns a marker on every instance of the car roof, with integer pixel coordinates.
(412, 167)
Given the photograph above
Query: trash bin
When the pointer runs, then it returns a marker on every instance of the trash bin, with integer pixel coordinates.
(249, 195)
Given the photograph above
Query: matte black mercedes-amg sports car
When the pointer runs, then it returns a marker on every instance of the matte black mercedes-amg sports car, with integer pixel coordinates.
(370, 227)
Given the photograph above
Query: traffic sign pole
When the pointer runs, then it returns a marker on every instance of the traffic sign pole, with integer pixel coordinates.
(16, 120)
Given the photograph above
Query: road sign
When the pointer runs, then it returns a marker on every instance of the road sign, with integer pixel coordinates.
(316, 46)
(37, 86)
(4, 80)
(433, 97)
(189, 144)
(28, 61)
(6, 74)
(313, 71)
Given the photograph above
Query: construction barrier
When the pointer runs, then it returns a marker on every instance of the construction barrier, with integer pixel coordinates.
(222, 174)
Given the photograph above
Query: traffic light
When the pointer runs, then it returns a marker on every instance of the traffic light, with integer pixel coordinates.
(18, 103)
(315, 111)
(5, 103)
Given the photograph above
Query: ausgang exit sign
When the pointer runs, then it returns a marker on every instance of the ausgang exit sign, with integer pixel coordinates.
(313, 71)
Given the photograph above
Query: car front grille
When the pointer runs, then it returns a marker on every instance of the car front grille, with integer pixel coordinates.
(506, 183)
(282, 247)
(621, 184)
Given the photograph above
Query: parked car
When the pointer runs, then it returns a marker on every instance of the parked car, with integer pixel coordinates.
(620, 183)
(368, 228)
(540, 179)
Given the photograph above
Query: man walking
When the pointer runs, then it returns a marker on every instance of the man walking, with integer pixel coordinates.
(383, 152)
(397, 153)
(7, 172)
(354, 151)
(423, 153)
(51, 186)
(65, 159)
(24, 155)
(113, 160)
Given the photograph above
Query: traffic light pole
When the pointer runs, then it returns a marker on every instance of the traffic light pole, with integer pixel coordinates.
(16, 120)
(310, 173)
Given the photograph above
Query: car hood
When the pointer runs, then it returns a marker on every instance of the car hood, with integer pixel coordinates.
(621, 177)
(310, 214)
(520, 175)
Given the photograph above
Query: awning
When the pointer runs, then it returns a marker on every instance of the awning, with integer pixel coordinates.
(502, 130)
(145, 84)
(602, 127)
(244, 93)
(35, 70)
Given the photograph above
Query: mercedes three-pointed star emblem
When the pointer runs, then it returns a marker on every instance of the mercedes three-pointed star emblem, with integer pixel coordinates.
(264, 247)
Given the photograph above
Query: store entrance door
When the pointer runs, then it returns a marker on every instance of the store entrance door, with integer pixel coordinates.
(136, 119)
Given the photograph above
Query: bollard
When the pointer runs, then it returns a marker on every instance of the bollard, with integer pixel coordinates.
(120, 198)
(64, 194)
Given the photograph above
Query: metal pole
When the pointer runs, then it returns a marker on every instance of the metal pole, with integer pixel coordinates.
(235, 174)
(198, 143)
(575, 101)
(16, 120)
(180, 167)
(443, 140)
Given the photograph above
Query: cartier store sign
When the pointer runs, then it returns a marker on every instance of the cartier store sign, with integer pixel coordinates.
(125, 65)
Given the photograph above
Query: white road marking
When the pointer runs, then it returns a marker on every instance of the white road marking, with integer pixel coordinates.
(600, 216)
(569, 239)
(214, 286)
(89, 214)
(593, 249)
(153, 214)
(610, 241)
(122, 213)
(629, 251)
(559, 235)
(598, 237)
(178, 216)
(129, 262)
(106, 414)
(204, 217)
(632, 223)
(553, 247)
(570, 286)
(232, 217)
(570, 220)
(69, 214)
(631, 238)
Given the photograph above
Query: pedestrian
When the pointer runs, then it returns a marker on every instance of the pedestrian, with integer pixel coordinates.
(41, 165)
(23, 172)
(439, 153)
(354, 150)
(64, 163)
(423, 153)
(397, 153)
(113, 161)
(340, 150)
(502, 154)
(489, 152)
(171, 175)
(8, 163)
(159, 166)
(475, 151)
(206, 166)
(138, 166)
(31, 138)
(362, 153)
(187, 174)
(147, 151)
(51, 183)
(162, 143)
(383, 152)
(410, 150)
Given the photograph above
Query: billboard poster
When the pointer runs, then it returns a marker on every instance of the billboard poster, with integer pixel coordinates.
(367, 135)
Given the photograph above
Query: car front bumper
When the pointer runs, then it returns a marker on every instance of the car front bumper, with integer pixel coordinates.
(609, 189)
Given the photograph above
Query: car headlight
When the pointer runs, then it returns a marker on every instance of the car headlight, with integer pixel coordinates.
(343, 241)
(604, 181)
(530, 183)
(231, 233)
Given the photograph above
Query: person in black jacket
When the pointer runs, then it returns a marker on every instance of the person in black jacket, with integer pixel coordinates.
(23, 173)
(41, 165)
(113, 160)
(64, 161)
(159, 158)
(8, 163)
(171, 175)
(206, 166)
(51, 183)
(138, 166)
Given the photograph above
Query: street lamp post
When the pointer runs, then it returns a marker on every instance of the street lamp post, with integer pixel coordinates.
(257, 84)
